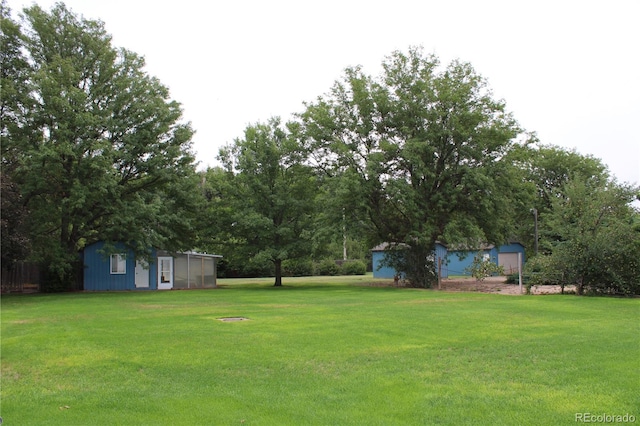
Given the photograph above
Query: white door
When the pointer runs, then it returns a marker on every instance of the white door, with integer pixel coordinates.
(142, 275)
(165, 273)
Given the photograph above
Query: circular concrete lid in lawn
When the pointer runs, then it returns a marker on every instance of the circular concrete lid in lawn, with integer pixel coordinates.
(232, 319)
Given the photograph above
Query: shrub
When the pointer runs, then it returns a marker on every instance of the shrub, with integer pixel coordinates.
(256, 267)
(513, 279)
(539, 270)
(297, 268)
(353, 267)
(482, 268)
(327, 267)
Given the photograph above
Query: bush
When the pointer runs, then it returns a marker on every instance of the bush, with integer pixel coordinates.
(297, 268)
(539, 270)
(353, 267)
(327, 267)
(482, 268)
(513, 279)
(256, 267)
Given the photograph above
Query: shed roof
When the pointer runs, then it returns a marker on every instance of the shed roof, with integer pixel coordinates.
(385, 246)
(194, 253)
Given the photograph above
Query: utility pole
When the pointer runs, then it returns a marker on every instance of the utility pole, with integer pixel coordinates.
(535, 229)
(344, 235)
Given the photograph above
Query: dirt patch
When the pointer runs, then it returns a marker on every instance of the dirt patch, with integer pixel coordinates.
(499, 285)
(485, 286)
(552, 289)
(24, 321)
(149, 306)
(496, 285)
(233, 319)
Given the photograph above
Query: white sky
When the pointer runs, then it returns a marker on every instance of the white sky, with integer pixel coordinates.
(568, 70)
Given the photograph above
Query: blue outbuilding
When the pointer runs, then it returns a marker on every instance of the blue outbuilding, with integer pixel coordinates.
(455, 261)
(382, 271)
(165, 270)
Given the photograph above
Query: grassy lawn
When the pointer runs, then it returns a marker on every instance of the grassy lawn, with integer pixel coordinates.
(317, 351)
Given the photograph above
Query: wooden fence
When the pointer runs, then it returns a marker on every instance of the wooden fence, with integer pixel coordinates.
(23, 277)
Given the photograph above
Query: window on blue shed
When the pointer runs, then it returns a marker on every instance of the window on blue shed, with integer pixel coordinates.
(118, 264)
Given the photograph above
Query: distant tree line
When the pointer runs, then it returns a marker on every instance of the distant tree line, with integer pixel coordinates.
(93, 148)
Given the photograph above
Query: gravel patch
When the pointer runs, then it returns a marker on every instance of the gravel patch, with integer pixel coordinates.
(498, 285)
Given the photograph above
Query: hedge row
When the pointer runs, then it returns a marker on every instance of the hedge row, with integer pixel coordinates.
(305, 268)
(291, 268)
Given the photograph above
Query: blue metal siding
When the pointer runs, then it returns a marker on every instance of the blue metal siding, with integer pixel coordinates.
(441, 253)
(97, 270)
(493, 253)
(387, 272)
(459, 260)
(153, 271)
(380, 271)
(512, 248)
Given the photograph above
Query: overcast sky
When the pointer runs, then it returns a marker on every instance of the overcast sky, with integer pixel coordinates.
(568, 70)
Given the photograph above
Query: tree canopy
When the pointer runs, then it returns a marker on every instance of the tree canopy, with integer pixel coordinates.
(271, 194)
(542, 171)
(426, 146)
(594, 236)
(94, 144)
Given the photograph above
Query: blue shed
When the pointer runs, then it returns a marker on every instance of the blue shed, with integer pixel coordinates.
(165, 271)
(459, 260)
(456, 261)
(382, 271)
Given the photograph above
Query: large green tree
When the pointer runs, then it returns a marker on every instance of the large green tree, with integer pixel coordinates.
(339, 232)
(594, 233)
(14, 89)
(95, 145)
(271, 192)
(543, 171)
(427, 146)
(217, 234)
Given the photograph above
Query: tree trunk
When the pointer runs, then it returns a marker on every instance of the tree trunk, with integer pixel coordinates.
(278, 264)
